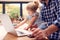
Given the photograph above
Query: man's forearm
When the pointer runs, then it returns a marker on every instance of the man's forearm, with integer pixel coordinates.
(51, 29)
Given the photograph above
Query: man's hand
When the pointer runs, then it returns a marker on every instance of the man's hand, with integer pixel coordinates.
(39, 34)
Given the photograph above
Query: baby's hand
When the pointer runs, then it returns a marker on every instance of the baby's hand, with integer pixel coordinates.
(33, 26)
(26, 28)
(16, 27)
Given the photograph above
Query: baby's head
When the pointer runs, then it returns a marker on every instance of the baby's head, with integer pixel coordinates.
(32, 7)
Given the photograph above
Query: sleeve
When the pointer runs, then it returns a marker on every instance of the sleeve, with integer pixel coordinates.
(35, 14)
(27, 17)
(57, 22)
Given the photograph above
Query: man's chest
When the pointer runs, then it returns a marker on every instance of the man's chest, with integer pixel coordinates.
(49, 12)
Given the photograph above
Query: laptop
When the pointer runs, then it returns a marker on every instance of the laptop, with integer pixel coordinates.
(6, 22)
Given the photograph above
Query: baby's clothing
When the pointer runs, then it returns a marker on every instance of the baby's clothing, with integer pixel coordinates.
(38, 22)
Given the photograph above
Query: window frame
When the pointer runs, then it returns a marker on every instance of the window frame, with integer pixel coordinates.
(21, 8)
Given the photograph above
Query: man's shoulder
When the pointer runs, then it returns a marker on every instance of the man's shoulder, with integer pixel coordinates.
(55, 1)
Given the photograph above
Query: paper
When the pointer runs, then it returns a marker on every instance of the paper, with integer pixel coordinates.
(21, 30)
(23, 26)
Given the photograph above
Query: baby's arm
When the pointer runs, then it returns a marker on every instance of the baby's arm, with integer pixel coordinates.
(21, 23)
(31, 22)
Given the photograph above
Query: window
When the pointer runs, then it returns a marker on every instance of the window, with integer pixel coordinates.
(0, 8)
(13, 10)
(25, 13)
(0, 11)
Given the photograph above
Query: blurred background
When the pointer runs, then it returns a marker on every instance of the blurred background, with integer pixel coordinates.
(14, 8)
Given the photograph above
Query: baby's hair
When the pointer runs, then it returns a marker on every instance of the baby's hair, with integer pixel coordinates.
(33, 6)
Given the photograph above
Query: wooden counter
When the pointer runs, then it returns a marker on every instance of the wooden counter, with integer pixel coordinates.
(12, 37)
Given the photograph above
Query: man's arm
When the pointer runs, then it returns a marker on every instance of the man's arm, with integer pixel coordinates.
(52, 28)
(56, 24)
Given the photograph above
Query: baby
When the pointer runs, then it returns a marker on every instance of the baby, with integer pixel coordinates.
(33, 17)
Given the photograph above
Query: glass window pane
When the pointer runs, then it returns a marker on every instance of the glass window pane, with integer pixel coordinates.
(25, 13)
(0, 8)
(13, 10)
(1, 11)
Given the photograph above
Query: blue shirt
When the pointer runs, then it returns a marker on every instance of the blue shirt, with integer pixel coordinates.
(51, 14)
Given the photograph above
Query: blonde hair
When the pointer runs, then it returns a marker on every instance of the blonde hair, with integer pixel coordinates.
(33, 6)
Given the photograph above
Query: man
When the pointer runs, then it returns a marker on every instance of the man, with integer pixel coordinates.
(51, 14)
